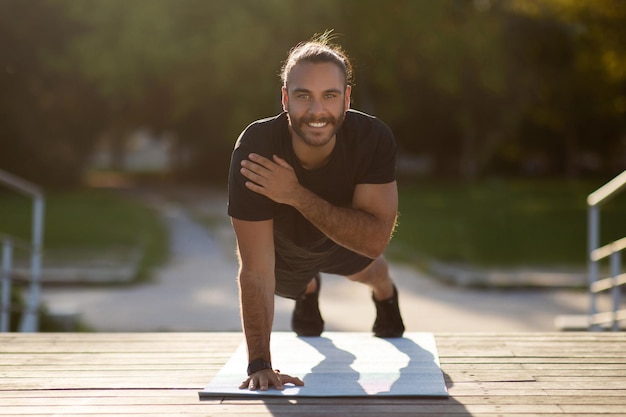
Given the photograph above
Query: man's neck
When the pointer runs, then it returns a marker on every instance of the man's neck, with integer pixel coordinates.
(312, 157)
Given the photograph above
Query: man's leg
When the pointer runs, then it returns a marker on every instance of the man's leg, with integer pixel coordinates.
(376, 276)
(385, 296)
(306, 319)
(312, 287)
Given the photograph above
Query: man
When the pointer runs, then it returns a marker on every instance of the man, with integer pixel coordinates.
(311, 190)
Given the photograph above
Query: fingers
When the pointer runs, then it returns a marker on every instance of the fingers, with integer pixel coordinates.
(261, 161)
(262, 380)
(288, 379)
(253, 171)
(252, 383)
(245, 383)
(265, 379)
(275, 179)
(281, 161)
(257, 169)
(255, 180)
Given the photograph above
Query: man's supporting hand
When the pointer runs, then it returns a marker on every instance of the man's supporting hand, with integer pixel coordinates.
(266, 378)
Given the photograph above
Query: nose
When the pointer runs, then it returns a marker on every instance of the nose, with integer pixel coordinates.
(316, 107)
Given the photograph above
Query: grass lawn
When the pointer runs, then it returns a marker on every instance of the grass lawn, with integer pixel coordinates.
(84, 222)
(501, 223)
(491, 224)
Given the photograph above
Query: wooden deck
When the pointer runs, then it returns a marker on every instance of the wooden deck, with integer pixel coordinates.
(525, 374)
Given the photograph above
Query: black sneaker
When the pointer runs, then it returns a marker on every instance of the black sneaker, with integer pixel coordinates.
(306, 319)
(388, 319)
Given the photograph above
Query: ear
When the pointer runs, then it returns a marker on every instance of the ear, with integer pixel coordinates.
(347, 95)
(284, 98)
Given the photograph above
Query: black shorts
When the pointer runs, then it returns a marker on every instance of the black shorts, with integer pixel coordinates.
(295, 271)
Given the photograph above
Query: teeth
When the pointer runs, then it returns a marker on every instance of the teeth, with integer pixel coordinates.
(318, 124)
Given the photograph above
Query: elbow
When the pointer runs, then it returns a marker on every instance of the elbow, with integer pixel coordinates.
(373, 245)
(375, 250)
(378, 241)
(376, 246)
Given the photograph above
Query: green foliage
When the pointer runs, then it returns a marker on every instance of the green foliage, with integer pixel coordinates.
(481, 87)
(46, 118)
(88, 221)
(502, 223)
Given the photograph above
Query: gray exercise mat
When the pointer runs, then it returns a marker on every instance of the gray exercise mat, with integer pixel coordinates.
(343, 365)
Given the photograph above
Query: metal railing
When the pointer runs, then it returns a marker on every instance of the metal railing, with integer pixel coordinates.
(30, 318)
(612, 251)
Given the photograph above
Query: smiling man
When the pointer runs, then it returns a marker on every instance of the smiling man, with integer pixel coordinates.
(311, 190)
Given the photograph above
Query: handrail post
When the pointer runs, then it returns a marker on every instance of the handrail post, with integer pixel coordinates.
(595, 253)
(616, 265)
(5, 305)
(30, 320)
(593, 241)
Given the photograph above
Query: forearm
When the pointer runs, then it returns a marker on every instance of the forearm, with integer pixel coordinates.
(365, 228)
(357, 230)
(257, 313)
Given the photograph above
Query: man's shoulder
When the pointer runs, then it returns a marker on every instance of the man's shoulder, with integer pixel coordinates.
(262, 134)
(361, 123)
(266, 125)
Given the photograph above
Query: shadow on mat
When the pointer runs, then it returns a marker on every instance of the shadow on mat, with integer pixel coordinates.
(420, 366)
(337, 360)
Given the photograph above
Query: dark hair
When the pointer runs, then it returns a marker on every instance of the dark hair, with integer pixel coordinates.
(320, 49)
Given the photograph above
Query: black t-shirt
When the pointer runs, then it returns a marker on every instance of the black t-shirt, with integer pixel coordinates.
(364, 153)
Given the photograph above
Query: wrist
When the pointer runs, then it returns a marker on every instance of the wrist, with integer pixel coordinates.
(258, 365)
(300, 198)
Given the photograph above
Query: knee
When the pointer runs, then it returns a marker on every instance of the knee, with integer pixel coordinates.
(374, 272)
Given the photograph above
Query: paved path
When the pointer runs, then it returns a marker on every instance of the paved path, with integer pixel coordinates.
(197, 291)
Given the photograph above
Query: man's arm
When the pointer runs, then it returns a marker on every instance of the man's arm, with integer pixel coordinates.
(255, 243)
(365, 228)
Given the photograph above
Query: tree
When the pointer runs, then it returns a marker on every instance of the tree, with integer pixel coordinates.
(570, 56)
(45, 116)
(479, 86)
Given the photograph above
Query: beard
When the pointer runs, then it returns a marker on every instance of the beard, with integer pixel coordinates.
(309, 135)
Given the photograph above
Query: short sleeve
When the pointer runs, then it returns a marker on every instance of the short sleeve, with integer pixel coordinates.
(243, 203)
(382, 166)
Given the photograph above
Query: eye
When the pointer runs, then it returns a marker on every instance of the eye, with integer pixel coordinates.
(303, 96)
(330, 95)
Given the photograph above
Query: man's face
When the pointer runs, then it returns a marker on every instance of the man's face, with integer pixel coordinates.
(316, 100)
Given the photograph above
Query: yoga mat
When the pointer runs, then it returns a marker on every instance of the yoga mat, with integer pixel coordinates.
(342, 365)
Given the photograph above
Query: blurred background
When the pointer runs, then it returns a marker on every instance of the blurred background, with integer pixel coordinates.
(507, 113)
(472, 89)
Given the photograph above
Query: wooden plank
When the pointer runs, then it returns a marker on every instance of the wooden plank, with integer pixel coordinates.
(582, 393)
(354, 409)
(508, 336)
(593, 408)
(489, 376)
(553, 385)
(532, 360)
(592, 380)
(579, 366)
(68, 395)
(104, 372)
(484, 366)
(112, 358)
(155, 397)
(580, 373)
(509, 374)
(126, 365)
